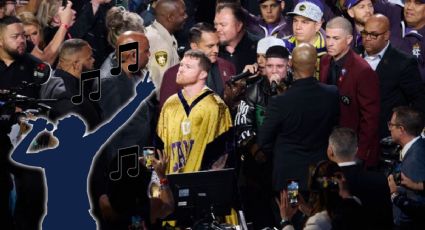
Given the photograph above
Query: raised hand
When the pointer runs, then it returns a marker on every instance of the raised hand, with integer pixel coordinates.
(286, 210)
(160, 164)
(66, 14)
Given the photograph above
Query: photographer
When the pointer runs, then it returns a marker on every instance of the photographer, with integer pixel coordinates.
(406, 126)
(21, 75)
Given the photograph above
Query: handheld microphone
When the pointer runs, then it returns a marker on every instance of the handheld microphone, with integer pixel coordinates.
(240, 76)
(273, 88)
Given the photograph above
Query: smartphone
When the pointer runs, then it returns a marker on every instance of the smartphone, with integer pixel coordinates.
(292, 188)
(64, 3)
(149, 155)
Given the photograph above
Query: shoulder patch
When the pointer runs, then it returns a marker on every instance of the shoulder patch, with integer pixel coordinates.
(161, 58)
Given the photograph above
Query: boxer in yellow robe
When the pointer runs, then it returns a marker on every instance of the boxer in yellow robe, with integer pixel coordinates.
(193, 117)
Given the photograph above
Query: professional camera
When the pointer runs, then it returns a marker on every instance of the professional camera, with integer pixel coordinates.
(390, 159)
(9, 100)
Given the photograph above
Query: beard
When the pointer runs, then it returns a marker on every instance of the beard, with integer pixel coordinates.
(14, 53)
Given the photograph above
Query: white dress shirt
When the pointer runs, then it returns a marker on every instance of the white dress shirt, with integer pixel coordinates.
(374, 60)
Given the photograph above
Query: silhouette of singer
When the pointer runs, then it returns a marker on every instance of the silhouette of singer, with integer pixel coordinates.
(66, 167)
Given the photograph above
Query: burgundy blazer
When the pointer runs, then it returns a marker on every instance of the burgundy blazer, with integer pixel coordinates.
(358, 87)
(170, 87)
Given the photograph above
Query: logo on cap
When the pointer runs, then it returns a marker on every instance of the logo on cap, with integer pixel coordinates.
(302, 7)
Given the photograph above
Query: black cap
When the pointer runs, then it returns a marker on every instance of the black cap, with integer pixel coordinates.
(277, 52)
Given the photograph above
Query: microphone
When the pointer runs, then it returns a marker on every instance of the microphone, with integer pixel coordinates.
(240, 76)
(273, 88)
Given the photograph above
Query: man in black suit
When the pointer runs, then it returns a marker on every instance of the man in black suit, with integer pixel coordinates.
(75, 57)
(406, 126)
(399, 76)
(298, 122)
(370, 187)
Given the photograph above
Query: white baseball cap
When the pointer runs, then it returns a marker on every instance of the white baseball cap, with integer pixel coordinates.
(265, 43)
(308, 9)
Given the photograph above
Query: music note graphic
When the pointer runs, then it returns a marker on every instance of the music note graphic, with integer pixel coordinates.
(85, 76)
(132, 67)
(132, 171)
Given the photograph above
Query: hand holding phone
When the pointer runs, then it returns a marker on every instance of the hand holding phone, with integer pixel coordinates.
(148, 156)
(292, 189)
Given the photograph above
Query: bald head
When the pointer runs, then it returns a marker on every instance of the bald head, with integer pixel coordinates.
(379, 20)
(130, 57)
(376, 34)
(130, 36)
(164, 7)
(171, 14)
(304, 59)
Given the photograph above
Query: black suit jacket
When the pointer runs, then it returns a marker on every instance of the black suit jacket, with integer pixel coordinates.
(296, 129)
(413, 163)
(400, 84)
(63, 86)
(373, 190)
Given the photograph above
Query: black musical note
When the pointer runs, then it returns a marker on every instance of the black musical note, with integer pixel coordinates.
(132, 67)
(85, 76)
(132, 171)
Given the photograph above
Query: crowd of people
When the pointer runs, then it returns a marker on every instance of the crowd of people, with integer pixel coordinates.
(287, 92)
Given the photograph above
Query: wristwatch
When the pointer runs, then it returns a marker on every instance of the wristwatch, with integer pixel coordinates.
(284, 222)
(393, 196)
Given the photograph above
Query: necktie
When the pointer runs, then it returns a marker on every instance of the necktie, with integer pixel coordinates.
(333, 73)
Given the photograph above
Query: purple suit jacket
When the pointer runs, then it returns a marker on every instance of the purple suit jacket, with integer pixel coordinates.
(358, 87)
(170, 87)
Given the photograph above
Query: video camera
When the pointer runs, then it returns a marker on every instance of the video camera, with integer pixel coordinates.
(9, 100)
(390, 160)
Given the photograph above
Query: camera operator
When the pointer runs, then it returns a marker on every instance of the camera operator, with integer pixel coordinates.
(22, 189)
(406, 126)
(17, 66)
(21, 75)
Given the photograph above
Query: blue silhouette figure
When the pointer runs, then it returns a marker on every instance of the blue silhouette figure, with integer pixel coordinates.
(66, 167)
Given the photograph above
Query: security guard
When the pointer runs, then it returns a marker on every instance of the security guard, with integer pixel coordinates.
(19, 70)
(170, 17)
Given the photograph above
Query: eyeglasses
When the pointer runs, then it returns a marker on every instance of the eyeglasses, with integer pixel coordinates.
(392, 124)
(372, 35)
